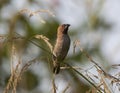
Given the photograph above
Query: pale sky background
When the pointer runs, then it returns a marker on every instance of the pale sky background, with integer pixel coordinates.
(74, 12)
(66, 13)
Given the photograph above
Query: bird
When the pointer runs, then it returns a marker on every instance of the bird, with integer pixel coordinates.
(61, 47)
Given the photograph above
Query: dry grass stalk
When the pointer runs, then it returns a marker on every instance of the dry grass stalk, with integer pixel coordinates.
(92, 90)
(54, 88)
(46, 40)
(36, 13)
(16, 71)
(116, 65)
(103, 82)
(67, 87)
(27, 65)
(3, 36)
(77, 43)
(14, 77)
(70, 68)
(106, 75)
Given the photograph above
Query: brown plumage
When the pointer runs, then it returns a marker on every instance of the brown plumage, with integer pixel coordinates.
(61, 47)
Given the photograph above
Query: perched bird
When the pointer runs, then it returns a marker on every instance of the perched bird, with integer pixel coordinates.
(61, 47)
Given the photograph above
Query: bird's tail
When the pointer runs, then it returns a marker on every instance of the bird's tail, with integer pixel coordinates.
(56, 67)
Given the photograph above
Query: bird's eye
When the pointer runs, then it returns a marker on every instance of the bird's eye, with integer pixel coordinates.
(65, 25)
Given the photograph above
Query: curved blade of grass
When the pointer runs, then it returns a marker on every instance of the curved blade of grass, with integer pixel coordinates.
(84, 77)
(35, 43)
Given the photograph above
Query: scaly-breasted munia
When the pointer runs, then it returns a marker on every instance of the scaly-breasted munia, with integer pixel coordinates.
(61, 47)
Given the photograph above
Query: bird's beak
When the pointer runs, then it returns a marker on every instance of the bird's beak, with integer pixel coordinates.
(67, 25)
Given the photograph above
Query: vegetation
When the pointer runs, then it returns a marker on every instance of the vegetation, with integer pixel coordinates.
(26, 50)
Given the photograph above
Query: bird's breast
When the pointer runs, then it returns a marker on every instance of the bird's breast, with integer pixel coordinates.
(61, 47)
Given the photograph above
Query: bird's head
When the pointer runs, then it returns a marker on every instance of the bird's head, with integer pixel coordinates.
(63, 29)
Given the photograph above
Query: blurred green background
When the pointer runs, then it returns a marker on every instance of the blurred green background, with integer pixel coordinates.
(94, 22)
